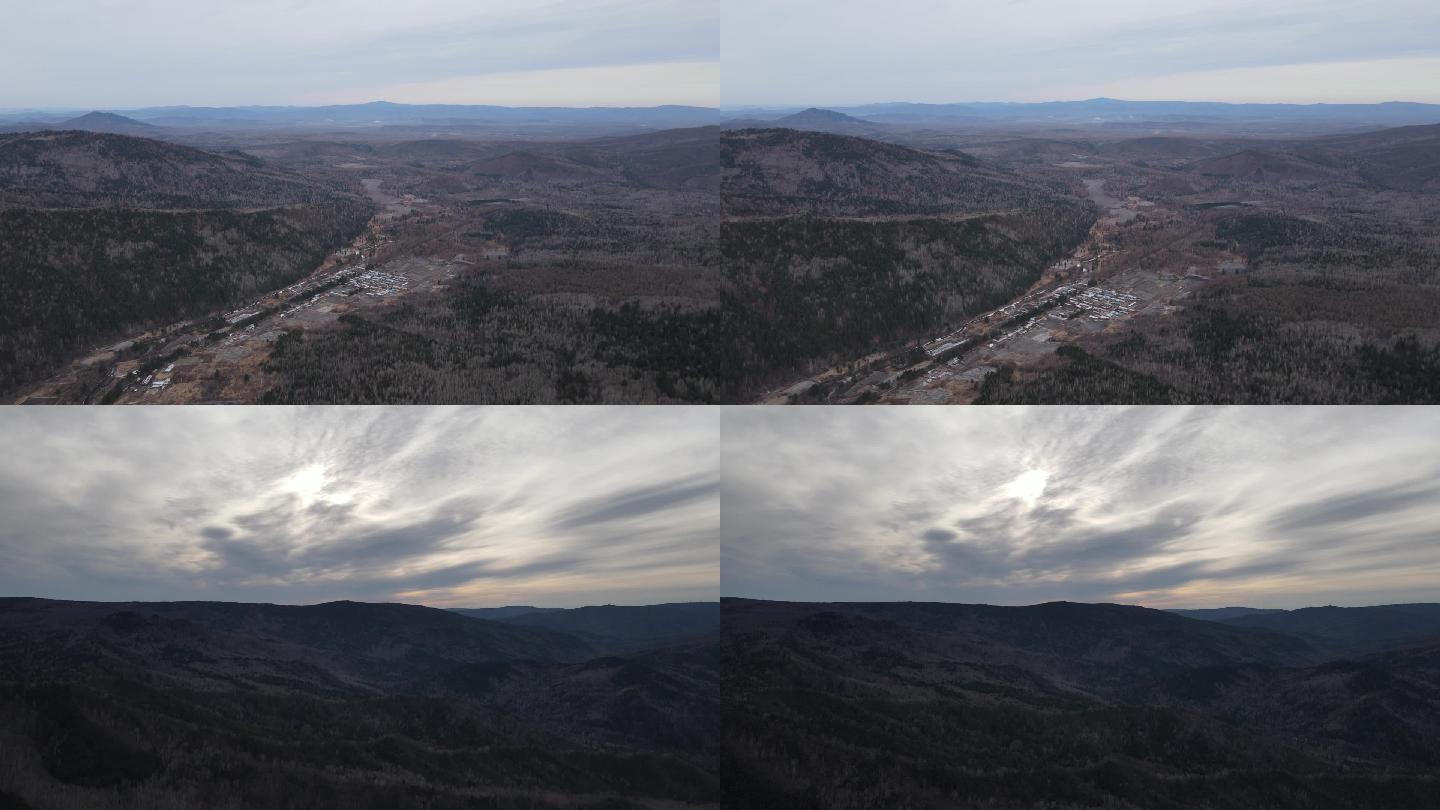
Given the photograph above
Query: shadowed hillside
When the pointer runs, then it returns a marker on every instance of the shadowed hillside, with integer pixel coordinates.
(1348, 630)
(342, 705)
(616, 627)
(1063, 705)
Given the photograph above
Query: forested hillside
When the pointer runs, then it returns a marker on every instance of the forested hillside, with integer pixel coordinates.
(108, 234)
(1338, 300)
(73, 169)
(912, 705)
(342, 705)
(616, 627)
(771, 172)
(610, 255)
(836, 246)
(75, 277)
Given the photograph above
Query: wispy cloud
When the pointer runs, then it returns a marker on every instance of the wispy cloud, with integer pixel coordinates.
(1164, 506)
(853, 51)
(100, 53)
(452, 506)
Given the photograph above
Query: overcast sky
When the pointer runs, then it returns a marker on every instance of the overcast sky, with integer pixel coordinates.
(454, 507)
(1166, 507)
(134, 53)
(836, 52)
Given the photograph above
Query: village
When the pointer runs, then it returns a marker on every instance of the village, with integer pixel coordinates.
(188, 360)
(1096, 290)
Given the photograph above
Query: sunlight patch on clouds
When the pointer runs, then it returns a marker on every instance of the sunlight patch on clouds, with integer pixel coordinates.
(1028, 486)
(1169, 506)
(311, 504)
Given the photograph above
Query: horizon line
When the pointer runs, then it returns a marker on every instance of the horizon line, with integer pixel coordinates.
(1049, 602)
(957, 103)
(349, 601)
(72, 108)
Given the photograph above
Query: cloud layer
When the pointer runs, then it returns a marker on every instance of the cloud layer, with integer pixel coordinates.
(1169, 507)
(102, 53)
(833, 52)
(445, 506)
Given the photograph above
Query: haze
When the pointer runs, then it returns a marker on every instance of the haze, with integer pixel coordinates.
(114, 55)
(467, 507)
(1272, 507)
(837, 52)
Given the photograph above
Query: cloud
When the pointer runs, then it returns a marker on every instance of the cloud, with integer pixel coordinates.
(98, 53)
(636, 503)
(1166, 506)
(643, 85)
(1349, 508)
(832, 52)
(447, 506)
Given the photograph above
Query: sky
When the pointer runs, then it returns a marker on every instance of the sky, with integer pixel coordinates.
(449, 507)
(1169, 507)
(838, 52)
(116, 54)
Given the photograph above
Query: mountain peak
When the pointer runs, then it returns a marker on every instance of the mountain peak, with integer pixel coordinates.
(97, 121)
(816, 115)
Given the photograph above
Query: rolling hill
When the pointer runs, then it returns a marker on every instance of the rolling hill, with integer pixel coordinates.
(1220, 614)
(675, 159)
(531, 166)
(839, 246)
(342, 705)
(818, 120)
(88, 170)
(1403, 158)
(615, 627)
(1349, 630)
(109, 234)
(1063, 705)
(111, 123)
(1264, 166)
(779, 171)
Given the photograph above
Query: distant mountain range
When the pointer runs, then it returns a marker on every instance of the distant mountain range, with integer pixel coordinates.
(347, 704)
(374, 114)
(1067, 705)
(813, 119)
(1222, 614)
(1338, 630)
(1094, 112)
(614, 626)
(89, 122)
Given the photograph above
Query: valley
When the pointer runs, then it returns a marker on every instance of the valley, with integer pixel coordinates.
(1217, 266)
(485, 269)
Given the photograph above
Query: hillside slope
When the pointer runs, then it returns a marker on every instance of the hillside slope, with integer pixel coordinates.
(615, 627)
(109, 234)
(73, 169)
(197, 704)
(787, 172)
(1351, 630)
(1062, 706)
(839, 246)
